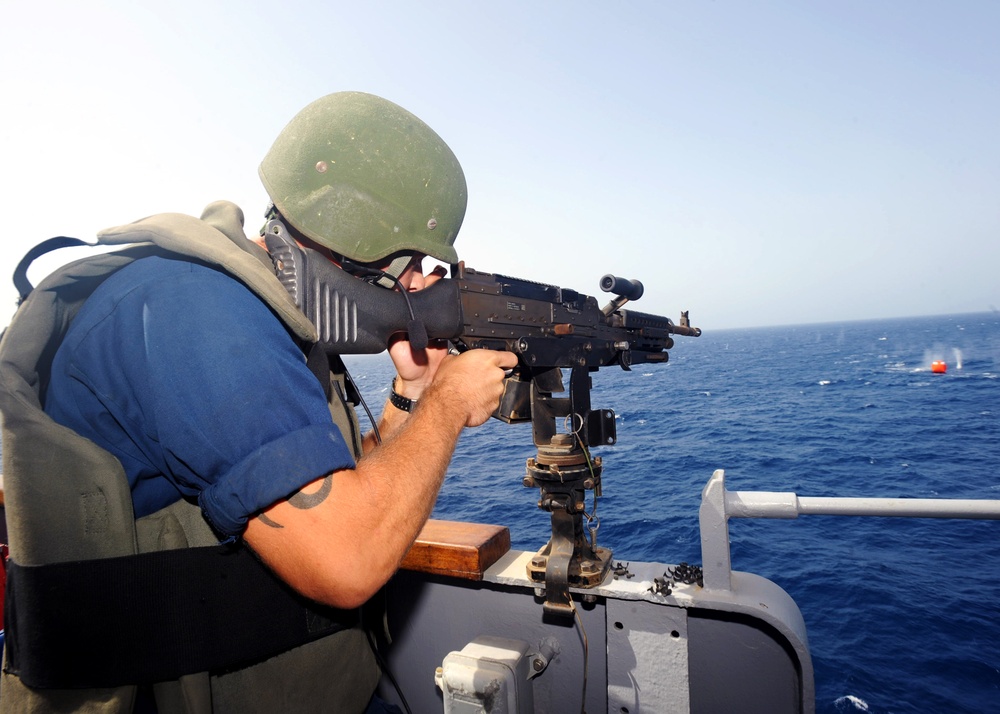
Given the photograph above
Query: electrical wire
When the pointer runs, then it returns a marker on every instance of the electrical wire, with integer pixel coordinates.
(370, 274)
(593, 544)
(364, 405)
(373, 274)
(593, 475)
(385, 670)
(586, 655)
(383, 665)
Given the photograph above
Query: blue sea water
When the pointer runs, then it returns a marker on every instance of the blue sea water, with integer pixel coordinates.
(902, 614)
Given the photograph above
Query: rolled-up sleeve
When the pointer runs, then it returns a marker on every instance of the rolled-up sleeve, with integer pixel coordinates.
(263, 477)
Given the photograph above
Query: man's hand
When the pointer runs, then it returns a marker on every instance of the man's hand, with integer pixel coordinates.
(471, 383)
(416, 368)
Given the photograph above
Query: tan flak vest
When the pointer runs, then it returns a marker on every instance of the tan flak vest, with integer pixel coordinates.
(68, 500)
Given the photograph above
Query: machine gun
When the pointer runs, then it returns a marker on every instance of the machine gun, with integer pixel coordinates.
(550, 329)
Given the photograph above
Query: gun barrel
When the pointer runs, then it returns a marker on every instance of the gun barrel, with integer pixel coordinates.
(632, 320)
(686, 330)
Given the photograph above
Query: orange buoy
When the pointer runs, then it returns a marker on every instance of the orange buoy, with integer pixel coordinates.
(939, 367)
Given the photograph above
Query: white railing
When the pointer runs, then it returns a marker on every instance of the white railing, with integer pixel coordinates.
(719, 505)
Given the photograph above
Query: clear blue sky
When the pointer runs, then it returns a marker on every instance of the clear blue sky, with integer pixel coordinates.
(755, 163)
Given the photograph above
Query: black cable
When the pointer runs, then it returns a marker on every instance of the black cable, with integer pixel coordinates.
(373, 275)
(364, 405)
(415, 330)
(383, 665)
(386, 671)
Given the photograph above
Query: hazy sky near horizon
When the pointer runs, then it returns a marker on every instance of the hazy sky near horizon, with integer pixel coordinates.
(756, 163)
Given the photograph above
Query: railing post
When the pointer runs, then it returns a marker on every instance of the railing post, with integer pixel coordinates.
(719, 505)
(714, 525)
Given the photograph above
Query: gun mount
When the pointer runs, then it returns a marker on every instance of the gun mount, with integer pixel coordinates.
(563, 470)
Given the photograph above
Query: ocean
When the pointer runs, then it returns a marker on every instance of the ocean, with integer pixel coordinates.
(902, 614)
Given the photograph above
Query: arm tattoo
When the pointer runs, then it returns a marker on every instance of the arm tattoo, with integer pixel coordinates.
(303, 501)
(268, 521)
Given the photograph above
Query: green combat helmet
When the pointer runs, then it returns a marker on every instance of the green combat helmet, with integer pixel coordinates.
(365, 178)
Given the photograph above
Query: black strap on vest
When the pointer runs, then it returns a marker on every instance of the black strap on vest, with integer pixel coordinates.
(226, 611)
(21, 281)
(318, 363)
(323, 364)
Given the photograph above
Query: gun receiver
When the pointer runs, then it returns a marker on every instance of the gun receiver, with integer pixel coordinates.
(548, 326)
(549, 329)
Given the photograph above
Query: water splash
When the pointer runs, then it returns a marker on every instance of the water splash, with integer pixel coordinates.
(851, 703)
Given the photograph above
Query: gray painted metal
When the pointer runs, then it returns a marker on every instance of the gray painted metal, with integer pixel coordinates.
(647, 657)
(690, 651)
(738, 666)
(429, 617)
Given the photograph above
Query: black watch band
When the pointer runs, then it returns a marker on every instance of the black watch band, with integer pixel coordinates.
(399, 401)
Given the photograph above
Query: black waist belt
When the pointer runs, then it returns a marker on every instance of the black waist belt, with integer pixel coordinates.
(153, 617)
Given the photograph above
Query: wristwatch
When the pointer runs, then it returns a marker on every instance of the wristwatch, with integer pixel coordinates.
(399, 401)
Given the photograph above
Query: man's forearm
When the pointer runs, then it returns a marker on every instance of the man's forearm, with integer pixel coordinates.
(347, 535)
(342, 549)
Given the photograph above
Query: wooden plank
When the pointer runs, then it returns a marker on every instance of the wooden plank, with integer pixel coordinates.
(457, 549)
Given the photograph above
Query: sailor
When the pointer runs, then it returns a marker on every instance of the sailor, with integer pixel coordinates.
(161, 406)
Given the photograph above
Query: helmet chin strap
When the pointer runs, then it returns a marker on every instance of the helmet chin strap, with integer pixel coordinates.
(395, 269)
